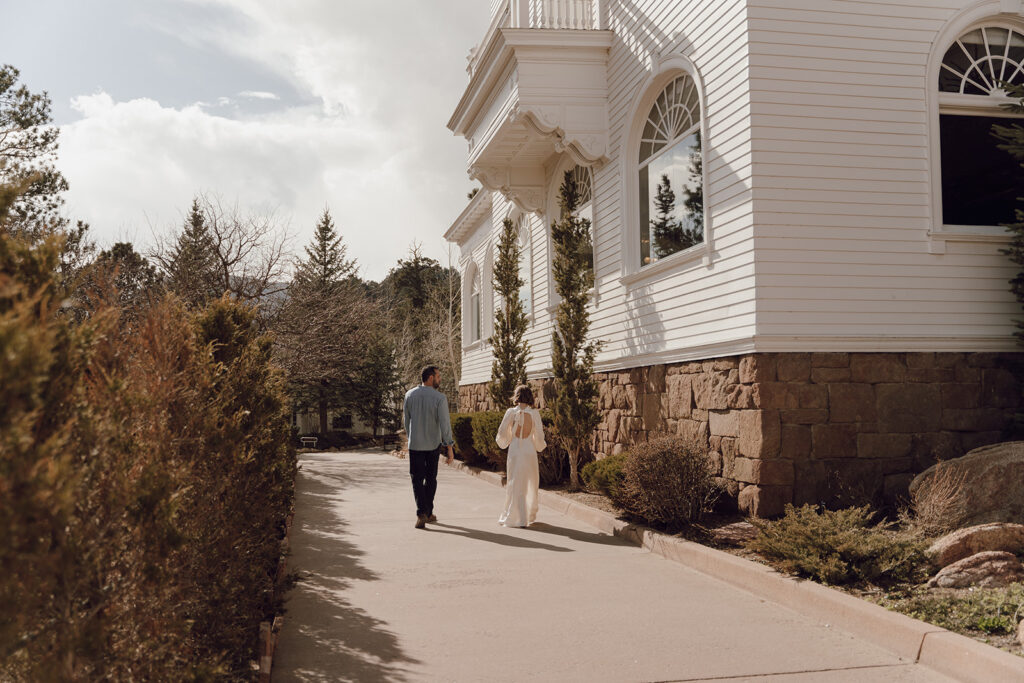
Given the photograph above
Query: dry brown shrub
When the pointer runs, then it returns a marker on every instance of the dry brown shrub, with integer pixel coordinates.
(938, 505)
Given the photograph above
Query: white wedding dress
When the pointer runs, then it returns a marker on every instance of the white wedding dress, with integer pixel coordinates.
(522, 433)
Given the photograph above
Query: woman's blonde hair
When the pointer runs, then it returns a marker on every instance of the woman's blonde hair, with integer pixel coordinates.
(523, 394)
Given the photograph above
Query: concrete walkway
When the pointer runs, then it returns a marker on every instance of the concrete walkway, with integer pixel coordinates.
(468, 600)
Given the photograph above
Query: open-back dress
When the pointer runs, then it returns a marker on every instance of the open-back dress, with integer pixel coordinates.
(522, 433)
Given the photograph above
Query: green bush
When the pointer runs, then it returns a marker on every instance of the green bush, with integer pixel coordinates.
(667, 482)
(149, 464)
(839, 546)
(988, 610)
(462, 432)
(485, 427)
(604, 475)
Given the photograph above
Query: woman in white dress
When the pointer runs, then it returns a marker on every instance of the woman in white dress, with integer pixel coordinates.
(522, 433)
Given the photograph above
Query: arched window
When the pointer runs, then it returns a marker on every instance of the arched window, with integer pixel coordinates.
(474, 307)
(584, 177)
(980, 182)
(671, 176)
(525, 263)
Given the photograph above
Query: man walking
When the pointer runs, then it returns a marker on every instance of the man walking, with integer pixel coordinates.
(425, 414)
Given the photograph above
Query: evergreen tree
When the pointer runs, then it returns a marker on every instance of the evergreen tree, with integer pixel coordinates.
(325, 264)
(572, 358)
(668, 233)
(694, 199)
(322, 327)
(191, 267)
(1012, 141)
(510, 350)
(377, 392)
(28, 149)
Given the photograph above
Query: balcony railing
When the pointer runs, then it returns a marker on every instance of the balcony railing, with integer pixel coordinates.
(563, 14)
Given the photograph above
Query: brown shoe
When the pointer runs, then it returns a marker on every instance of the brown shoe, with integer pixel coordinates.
(421, 521)
(432, 519)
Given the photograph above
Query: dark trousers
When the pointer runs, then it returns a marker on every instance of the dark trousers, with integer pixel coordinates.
(423, 470)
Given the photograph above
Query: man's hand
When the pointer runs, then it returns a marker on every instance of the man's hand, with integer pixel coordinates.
(451, 455)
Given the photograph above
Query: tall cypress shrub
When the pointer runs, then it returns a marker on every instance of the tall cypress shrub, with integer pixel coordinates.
(510, 350)
(572, 357)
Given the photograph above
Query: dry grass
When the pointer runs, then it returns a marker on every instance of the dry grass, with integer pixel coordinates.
(938, 506)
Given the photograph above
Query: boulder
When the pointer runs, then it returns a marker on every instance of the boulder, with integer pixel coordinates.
(993, 483)
(1004, 536)
(736, 535)
(989, 569)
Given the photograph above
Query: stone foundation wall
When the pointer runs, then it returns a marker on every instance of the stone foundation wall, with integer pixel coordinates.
(808, 427)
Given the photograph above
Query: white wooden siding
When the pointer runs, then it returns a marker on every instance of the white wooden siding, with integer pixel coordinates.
(842, 185)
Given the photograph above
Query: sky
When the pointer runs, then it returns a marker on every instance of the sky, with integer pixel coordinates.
(284, 107)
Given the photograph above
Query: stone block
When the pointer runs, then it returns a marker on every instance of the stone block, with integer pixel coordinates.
(930, 375)
(760, 433)
(757, 368)
(604, 396)
(715, 464)
(721, 364)
(729, 446)
(695, 368)
(724, 423)
(895, 486)
(768, 395)
(852, 403)
(764, 501)
(982, 359)
(830, 360)
(874, 368)
(613, 419)
(711, 390)
(960, 395)
(999, 388)
(809, 395)
(637, 375)
(619, 398)
(920, 361)
(927, 449)
(908, 408)
(754, 471)
(715, 443)
(655, 379)
(888, 466)
(694, 431)
(803, 416)
(632, 392)
(972, 440)
(680, 395)
(966, 375)
(829, 375)
(974, 420)
(795, 442)
(652, 412)
(793, 367)
(948, 360)
(883, 445)
(740, 397)
(830, 441)
(618, 449)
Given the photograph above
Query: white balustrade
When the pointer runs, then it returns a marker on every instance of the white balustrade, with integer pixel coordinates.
(564, 14)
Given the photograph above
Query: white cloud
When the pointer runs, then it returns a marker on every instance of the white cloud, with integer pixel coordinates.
(382, 78)
(258, 95)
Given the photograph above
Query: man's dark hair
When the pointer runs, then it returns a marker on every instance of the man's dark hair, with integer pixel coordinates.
(427, 373)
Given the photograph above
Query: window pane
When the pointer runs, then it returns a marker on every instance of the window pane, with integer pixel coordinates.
(672, 217)
(525, 259)
(474, 317)
(980, 183)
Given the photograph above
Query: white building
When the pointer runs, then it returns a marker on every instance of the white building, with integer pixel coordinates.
(845, 316)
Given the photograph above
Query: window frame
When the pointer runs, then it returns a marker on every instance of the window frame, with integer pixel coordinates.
(474, 289)
(524, 238)
(632, 273)
(986, 15)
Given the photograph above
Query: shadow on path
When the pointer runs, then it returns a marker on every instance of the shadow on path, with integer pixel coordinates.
(325, 637)
(577, 534)
(500, 539)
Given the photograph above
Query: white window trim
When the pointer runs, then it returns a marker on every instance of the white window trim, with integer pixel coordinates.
(632, 275)
(472, 273)
(986, 14)
(567, 163)
(516, 215)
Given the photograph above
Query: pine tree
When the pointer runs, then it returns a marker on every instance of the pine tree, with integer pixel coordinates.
(694, 201)
(323, 325)
(572, 358)
(377, 391)
(510, 350)
(1012, 141)
(325, 265)
(191, 268)
(668, 233)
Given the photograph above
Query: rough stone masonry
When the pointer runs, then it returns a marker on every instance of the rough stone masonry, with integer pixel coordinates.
(808, 427)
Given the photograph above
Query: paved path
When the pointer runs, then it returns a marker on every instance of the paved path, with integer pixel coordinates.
(468, 600)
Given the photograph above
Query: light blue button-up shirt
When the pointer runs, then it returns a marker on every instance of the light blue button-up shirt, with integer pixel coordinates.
(425, 414)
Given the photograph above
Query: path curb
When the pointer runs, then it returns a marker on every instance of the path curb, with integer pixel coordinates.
(946, 652)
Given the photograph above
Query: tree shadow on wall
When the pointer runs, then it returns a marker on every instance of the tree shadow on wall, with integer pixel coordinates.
(325, 637)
